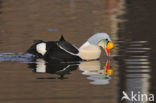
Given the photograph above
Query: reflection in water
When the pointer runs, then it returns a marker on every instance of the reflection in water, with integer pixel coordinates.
(53, 67)
(138, 70)
(99, 75)
(93, 69)
(133, 52)
(134, 63)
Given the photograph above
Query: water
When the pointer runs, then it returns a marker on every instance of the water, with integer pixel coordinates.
(28, 80)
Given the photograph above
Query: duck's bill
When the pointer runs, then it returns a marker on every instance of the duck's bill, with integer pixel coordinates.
(107, 52)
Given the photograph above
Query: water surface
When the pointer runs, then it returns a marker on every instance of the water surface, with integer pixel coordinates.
(27, 80)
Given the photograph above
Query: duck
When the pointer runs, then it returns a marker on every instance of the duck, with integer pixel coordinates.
(62, 50)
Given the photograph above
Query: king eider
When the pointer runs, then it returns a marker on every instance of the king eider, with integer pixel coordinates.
(64, 51)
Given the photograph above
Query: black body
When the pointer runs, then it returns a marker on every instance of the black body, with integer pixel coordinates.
(56, 50)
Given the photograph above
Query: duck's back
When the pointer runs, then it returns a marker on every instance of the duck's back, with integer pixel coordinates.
(61, 51)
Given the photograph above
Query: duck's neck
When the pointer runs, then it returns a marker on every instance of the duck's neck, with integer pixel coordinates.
(89, 52)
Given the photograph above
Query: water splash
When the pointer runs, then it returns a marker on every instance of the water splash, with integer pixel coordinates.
(16, 57)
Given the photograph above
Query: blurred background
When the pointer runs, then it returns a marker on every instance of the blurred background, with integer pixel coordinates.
(130, 23)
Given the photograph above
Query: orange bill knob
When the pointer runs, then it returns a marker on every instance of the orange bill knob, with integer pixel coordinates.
(110, 45)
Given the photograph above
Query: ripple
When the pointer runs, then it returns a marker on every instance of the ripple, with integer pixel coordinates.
(136, 59)
(136, 51)
(139, 75)
(141, 71)
(141, 56)
(140, 48)
(144, 67)
(137, 42)
(137, 62)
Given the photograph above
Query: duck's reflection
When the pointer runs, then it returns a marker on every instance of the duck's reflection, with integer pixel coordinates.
(53, 67)
(100, 75)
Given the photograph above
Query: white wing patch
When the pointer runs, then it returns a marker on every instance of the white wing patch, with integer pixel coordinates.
(41, 48)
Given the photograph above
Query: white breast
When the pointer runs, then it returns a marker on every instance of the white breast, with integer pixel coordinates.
(89, 52)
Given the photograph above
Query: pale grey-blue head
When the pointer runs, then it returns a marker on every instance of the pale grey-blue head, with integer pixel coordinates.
(103, 40)
(96, 38)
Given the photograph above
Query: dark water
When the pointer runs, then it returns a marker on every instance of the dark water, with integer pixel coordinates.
(28, 80)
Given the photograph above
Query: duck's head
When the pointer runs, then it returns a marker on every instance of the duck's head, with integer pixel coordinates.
(103, 40)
